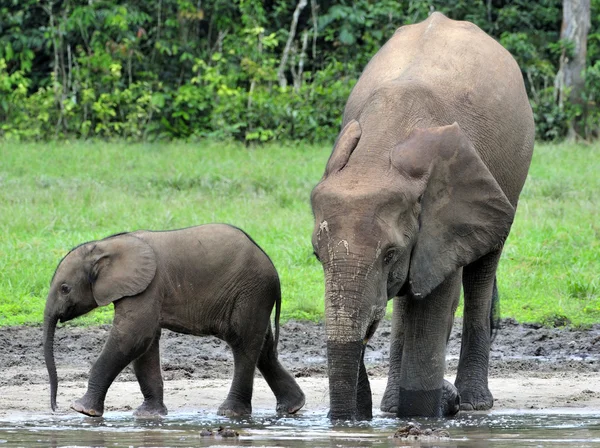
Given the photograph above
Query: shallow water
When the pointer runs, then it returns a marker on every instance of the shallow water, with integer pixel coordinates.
(559, 428)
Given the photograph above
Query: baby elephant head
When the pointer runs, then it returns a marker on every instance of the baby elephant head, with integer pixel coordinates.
(91, 275)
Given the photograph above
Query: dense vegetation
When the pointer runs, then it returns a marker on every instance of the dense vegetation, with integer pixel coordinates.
(241, 69)
(55, 196)
(251, 70)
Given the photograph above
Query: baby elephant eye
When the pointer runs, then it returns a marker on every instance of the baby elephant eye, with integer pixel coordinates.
(389, 256)
(65, 289)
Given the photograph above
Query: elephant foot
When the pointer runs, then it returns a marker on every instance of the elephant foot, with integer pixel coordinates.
(151, 409)
(365, 414)
(231, 408)
(85, 406)
(442, 402)
(389, 402)
(451, 399)
(291, 403)
(476, 399)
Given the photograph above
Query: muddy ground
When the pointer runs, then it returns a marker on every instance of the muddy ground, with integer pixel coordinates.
(531, 367)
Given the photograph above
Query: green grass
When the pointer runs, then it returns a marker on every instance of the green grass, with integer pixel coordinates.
(550, 271)
(55, 196)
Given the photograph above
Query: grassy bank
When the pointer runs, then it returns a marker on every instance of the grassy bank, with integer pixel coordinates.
(55, 196)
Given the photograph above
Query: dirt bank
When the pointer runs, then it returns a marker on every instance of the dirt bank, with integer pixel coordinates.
(530, 367)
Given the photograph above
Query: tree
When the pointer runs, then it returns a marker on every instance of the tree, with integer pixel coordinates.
(569, 79)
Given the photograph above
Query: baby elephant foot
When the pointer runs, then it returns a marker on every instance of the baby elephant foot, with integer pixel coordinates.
(150, 409)
(291, 403)
(231, 408)
(88, 407)
(476, 399)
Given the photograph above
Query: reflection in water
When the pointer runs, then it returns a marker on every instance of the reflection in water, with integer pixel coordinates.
(572, 429)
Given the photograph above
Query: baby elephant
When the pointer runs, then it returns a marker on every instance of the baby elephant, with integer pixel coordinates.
(206, 280)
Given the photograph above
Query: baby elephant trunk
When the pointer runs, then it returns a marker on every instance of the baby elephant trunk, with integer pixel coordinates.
(50, 322)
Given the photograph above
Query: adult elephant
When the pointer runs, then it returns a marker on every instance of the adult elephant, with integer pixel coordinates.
(418, 196)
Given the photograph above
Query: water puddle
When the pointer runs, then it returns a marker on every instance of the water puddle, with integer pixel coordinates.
(375, 357)
(559, 428)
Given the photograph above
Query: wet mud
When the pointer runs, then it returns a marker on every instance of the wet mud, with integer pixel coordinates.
(415, 431)
(546, 384)
(517, 348)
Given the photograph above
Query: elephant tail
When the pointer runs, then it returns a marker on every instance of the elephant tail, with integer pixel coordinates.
(277, 315)
(495, 311)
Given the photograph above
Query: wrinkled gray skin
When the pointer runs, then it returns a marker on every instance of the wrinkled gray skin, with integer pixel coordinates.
(417, 199)
(205, 280)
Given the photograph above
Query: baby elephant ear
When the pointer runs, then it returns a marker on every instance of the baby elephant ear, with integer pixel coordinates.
(122, 266)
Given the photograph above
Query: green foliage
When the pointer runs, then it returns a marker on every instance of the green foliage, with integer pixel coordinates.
(178, 69)
(56, 196)
(592, 97)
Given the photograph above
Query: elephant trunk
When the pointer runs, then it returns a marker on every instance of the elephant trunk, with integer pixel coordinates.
(343, 359)
(349, 316)
(50, 321)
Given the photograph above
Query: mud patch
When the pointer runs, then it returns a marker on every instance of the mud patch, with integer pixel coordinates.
(219, 432)
(414, 431)
(517, 348)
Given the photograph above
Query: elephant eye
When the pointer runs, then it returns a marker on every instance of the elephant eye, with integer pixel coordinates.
(389, 256)
(65, 289)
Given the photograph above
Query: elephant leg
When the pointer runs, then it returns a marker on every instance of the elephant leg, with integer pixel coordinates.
(364, 397)
(246, 338)
(239, 399)
(472, 375)
(428, 322)
(290, 397)
(148, 372)
(127, 341)
(389, 402)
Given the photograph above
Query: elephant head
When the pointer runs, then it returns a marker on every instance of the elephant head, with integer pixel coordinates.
(91, 275)
(395, 222)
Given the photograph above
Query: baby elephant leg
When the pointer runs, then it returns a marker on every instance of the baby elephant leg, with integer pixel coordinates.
(290, 397)
(116, 355)
(121, 349)
(148, 372)
(239, 400)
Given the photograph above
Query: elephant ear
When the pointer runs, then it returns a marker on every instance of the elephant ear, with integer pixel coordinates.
(464, 212)
(343, 147)
(122, 266)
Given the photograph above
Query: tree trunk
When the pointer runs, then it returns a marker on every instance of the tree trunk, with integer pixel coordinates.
(569, 81)
(288, 46)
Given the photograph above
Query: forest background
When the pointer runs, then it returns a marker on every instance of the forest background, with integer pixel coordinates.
(121, 115)
(246, 70)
